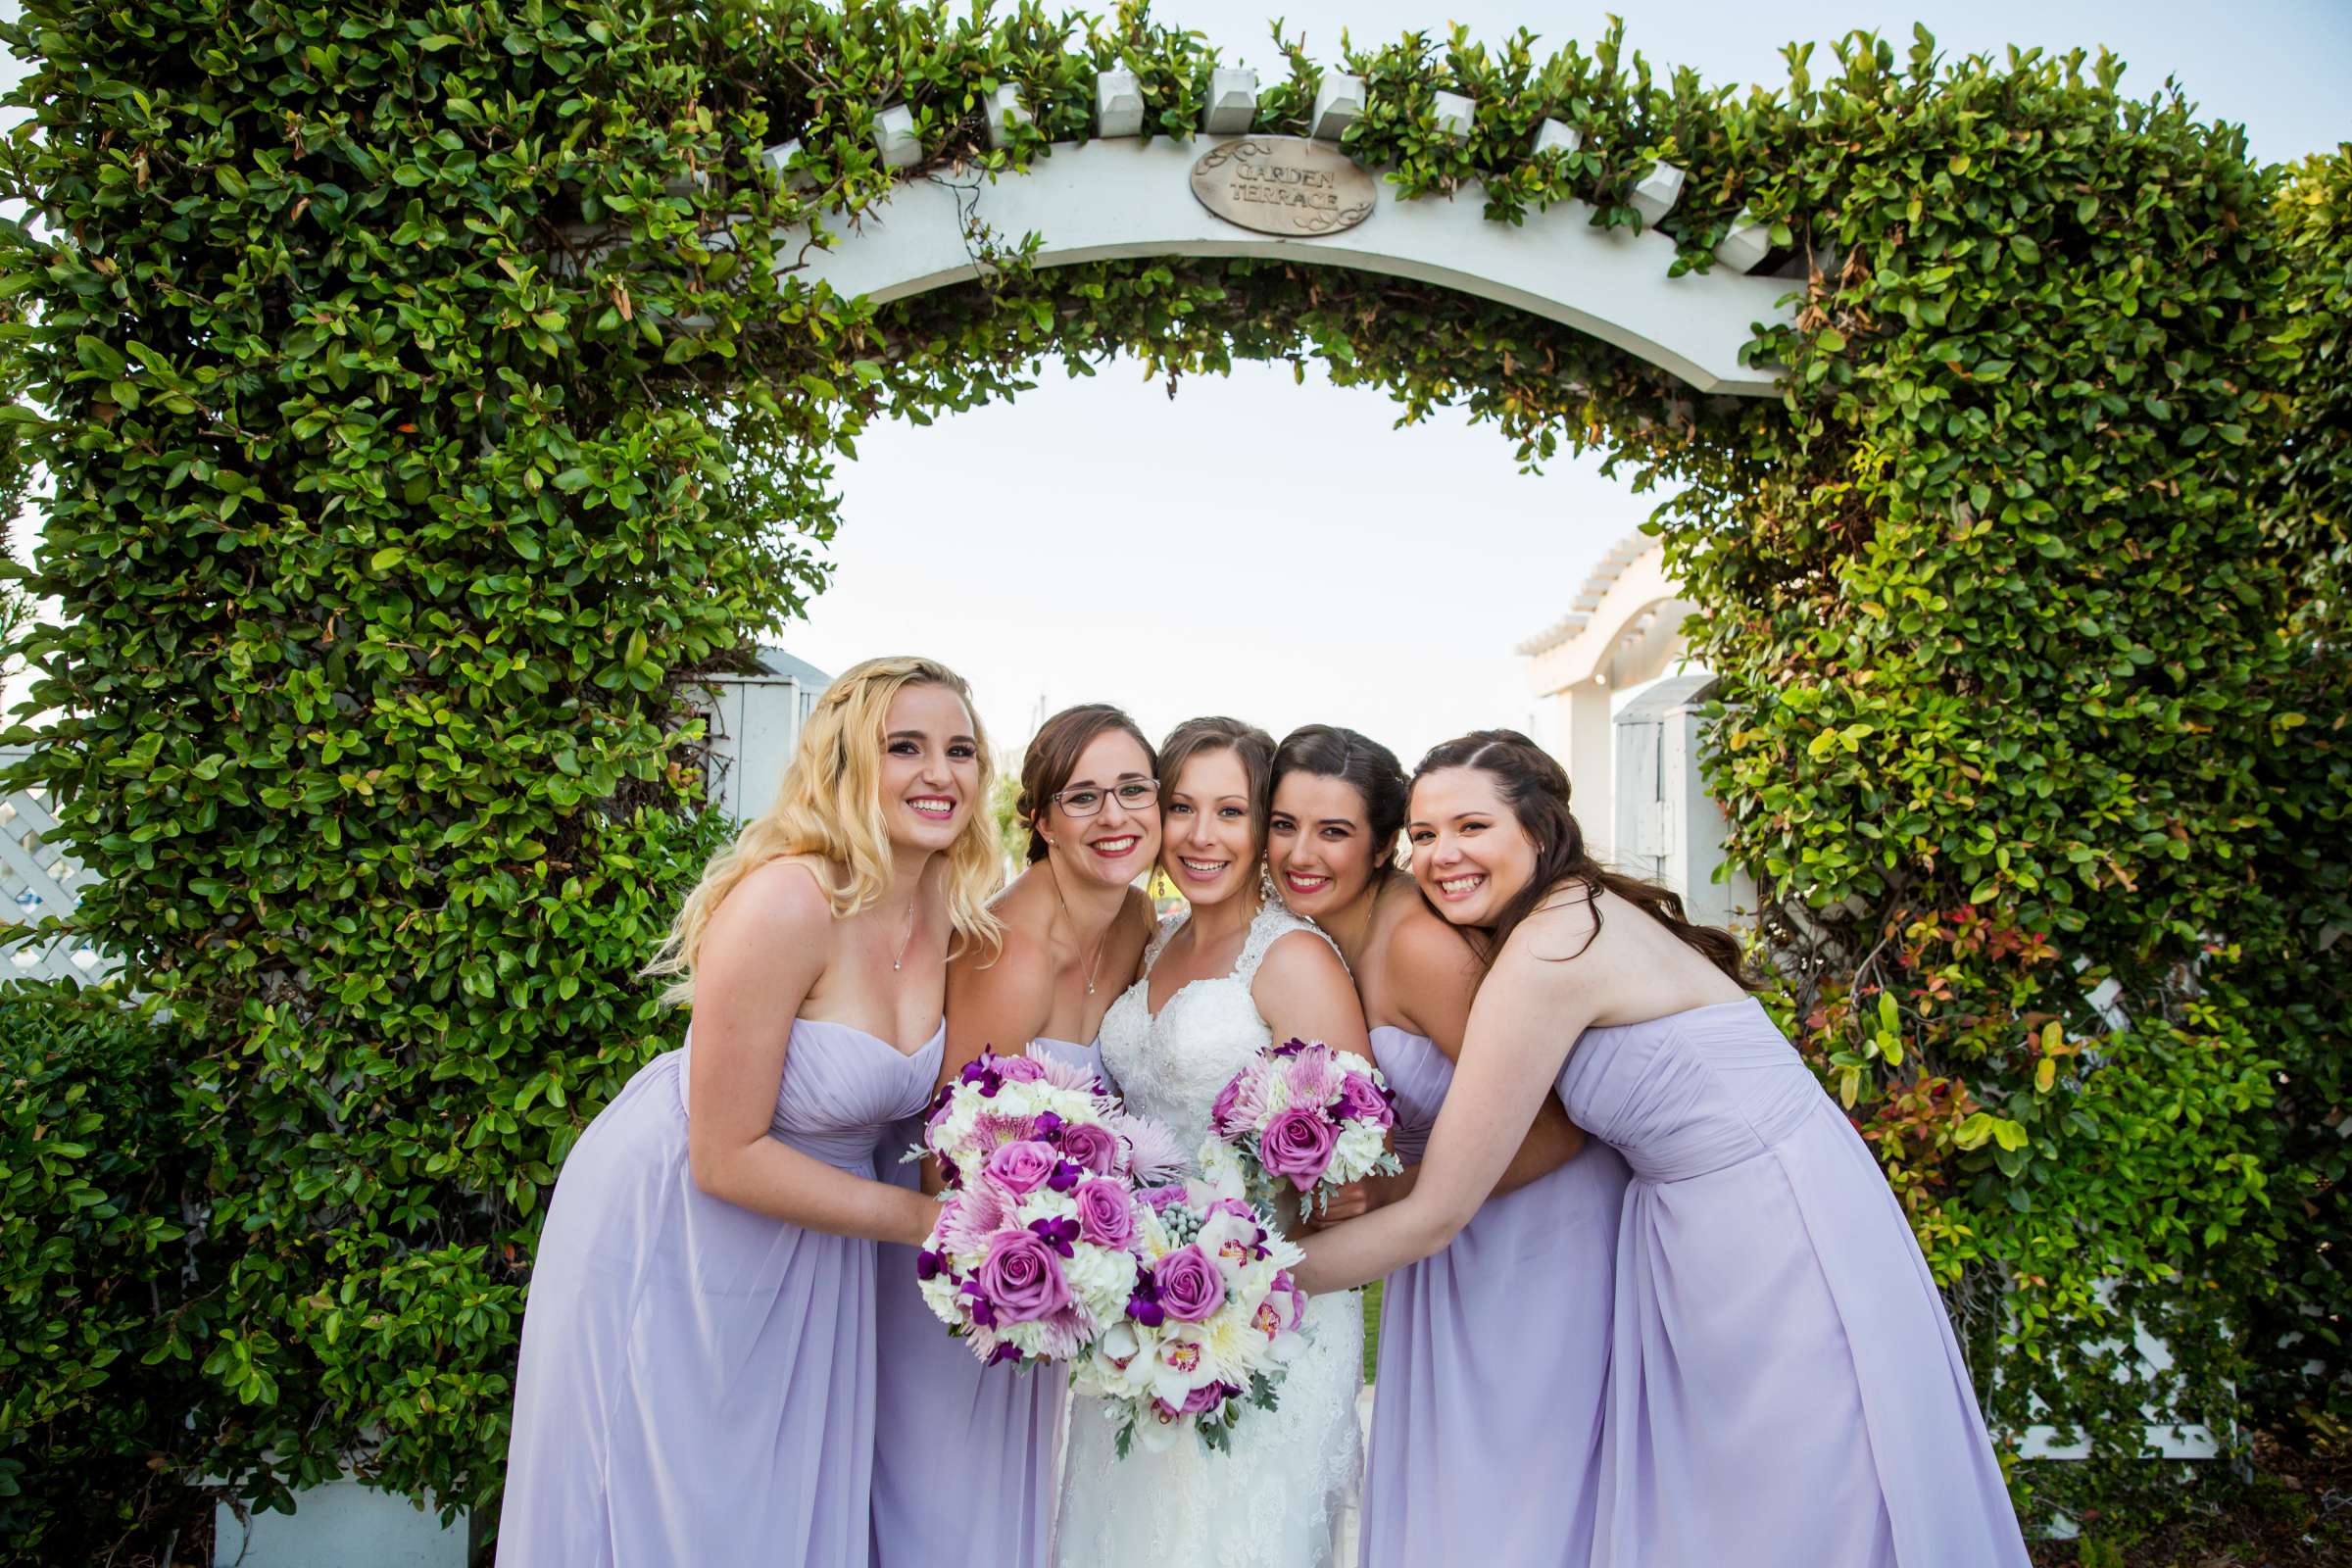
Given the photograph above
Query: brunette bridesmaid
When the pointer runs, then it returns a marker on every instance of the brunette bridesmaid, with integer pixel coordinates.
(697, 1382)
(1783, 1386)
(1494, 1352)
(964, 1472)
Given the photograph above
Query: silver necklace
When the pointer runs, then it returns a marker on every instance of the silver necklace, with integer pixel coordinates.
(908, 941)
(1101, 942)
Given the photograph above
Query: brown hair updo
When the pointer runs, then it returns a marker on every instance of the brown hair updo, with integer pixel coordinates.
(1254, 745)
(1363, 765)
(1534, 786)
(1052, 756)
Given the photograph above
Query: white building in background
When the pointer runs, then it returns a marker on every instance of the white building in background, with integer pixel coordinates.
(1621, 703)
(755, 724)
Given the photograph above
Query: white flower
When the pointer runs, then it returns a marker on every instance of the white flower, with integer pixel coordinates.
(940, 1296)
(1358, 1150)
(1221, 1171)
(1233, 1241)
(1159, 1431)
(1182, 1361)
(1102, 1278)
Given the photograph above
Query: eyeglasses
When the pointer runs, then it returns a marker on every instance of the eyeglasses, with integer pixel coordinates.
(1134, 794)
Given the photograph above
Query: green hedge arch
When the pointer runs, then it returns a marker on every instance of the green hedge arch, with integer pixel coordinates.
(424, 411)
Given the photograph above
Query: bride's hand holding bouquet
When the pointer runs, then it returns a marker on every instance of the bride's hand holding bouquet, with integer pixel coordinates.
(1310, 1122)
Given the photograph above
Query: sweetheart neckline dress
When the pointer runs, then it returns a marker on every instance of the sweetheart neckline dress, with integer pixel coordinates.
(697, 1380)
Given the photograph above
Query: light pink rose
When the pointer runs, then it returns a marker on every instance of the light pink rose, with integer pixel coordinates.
(1023, 1167)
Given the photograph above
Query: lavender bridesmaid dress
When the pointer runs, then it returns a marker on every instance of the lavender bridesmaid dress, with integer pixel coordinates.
(964, 1470)
(1784, 1388)
(697, 1380)
(1493, 1360)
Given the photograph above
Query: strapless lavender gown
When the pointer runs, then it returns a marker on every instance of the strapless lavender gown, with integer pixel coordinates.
(697, 1380)
(1784, 1388)
(1493, 1360)
(964, 1472)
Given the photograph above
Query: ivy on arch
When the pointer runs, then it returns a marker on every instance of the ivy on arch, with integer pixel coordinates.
(426, 410)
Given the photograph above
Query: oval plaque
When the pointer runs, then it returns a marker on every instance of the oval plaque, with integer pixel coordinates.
(1283, 185)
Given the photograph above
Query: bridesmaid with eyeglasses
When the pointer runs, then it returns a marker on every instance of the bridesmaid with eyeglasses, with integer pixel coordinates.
(966, 1468)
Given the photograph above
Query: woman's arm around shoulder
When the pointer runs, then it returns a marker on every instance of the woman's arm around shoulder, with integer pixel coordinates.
(765, 950)
(1528, 1011)
(1435, 976)
(1303, 992)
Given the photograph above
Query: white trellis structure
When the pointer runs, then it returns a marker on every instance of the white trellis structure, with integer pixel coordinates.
(1118, 196)
(39, 880)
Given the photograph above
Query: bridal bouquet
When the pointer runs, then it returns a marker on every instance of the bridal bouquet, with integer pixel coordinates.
(1303, 1113)
(1038, 1243)
(1211, 1323)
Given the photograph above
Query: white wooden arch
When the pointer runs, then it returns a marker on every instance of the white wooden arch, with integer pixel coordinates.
(1118, 197)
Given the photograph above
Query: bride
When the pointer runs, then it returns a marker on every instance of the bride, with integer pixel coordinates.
(1234, 973)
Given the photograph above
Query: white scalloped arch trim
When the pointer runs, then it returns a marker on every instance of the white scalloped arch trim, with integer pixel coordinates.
(1119, 199)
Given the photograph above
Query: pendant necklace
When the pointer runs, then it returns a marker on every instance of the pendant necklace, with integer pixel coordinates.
(908, 941)
(1100, 942)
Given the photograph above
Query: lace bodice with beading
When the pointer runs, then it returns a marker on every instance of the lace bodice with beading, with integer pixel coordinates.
(1170, 1067)
(1280, 1496)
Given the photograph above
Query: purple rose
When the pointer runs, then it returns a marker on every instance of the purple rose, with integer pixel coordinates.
(1017, 1069)
(1190, 1286)
(1105, 1214)
(1022, 1277)
(1360, 1100)
(1022, 1167)
(1089, 1146)
(1164, 1199)
(1296, 1144)
(1204, 1398)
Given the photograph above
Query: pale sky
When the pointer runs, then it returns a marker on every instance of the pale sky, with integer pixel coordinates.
(1277, 552)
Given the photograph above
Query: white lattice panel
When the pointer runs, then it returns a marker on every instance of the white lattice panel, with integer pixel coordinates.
(38, 880)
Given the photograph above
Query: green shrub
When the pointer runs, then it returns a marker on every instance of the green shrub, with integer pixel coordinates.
(96, 1185)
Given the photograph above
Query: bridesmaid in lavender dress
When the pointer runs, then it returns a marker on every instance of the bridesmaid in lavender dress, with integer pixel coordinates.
(1783, 1383)
(964, 1472)
(696, 1383)
(1471, 1398)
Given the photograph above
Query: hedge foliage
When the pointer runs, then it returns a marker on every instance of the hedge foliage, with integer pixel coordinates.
(427, 410)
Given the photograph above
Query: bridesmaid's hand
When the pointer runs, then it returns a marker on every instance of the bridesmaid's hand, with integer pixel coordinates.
(1360, 1198)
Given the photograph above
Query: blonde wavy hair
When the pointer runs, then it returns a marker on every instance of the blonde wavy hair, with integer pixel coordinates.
(830, 807)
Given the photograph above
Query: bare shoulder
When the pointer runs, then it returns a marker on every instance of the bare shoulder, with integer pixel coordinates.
(769, 941)
(1427, 975)
(783, 899)
(1426, 954)
(1563, 947)
(1302, 957)
(1023, 965)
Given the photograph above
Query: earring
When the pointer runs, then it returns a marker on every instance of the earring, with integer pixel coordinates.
(1267, 891)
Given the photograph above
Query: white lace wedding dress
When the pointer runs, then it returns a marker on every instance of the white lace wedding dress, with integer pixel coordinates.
(1278, 1497)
